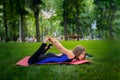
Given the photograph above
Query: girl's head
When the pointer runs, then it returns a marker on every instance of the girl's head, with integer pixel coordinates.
(79, 52)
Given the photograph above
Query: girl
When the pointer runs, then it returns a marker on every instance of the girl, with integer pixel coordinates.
(39, 57)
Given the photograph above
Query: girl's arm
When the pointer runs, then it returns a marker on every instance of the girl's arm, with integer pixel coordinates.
(61, 48)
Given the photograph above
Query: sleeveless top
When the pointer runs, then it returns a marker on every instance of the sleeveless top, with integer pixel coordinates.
(54, 58)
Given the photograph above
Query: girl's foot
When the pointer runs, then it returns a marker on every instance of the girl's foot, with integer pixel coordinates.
(45, 40)
(49, 46)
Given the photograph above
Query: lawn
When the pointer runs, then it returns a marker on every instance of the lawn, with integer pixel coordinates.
(105, 62)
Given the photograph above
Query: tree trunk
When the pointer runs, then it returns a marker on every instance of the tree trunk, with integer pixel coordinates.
(36, 15)
(21, 34)
(65, 20)
(97, 2)
(91, 32)
(111, 15)
(14, 32)
(77, 22)
(5, 21)
(41, 27)
(82, 32)
(14, 36)
(65, 29)
(99, 34)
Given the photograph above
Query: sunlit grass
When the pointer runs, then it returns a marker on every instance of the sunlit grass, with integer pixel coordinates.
(105, 62)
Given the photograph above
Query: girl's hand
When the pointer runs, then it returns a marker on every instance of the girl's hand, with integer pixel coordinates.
(52, 40)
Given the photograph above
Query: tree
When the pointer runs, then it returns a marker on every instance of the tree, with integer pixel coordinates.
(2, 34)
(106, 10)
(80, 14)
(77, 7)
(13, 9)
(87, 18)
(16, 17)
(34, 5)
(65, 18)
(112, 9)
(12, 18)
(5, 19)
(20, 10)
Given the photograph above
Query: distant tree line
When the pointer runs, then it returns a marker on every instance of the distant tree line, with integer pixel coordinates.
(69, 19)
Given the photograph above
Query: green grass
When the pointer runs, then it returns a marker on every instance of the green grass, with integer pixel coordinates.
(105, 62)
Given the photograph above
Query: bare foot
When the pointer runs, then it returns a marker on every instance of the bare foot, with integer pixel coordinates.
(45, 40)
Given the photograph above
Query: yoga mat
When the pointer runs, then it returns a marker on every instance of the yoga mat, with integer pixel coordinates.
(24, 62)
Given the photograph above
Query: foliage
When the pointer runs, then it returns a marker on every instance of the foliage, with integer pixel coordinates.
(106, 15)
(60, 17)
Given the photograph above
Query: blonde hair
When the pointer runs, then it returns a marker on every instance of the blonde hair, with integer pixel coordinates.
(78, 50)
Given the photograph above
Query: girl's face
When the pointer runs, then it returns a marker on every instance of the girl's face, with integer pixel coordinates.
(82, 55)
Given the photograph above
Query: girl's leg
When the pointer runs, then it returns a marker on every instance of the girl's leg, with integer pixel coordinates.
(36, 55)
(48, 47)
(40, 52)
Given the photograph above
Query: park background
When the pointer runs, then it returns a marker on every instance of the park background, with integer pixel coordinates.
(91, 23)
